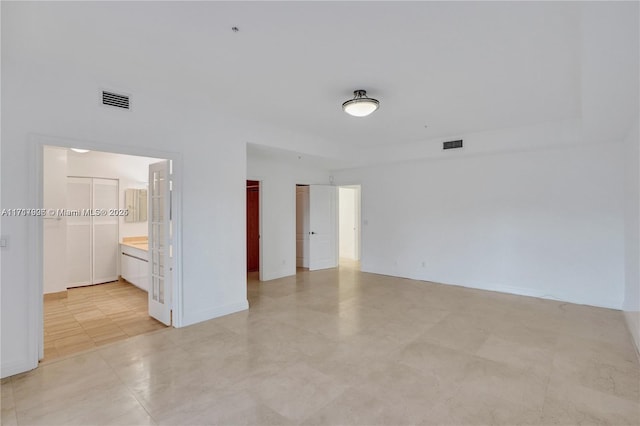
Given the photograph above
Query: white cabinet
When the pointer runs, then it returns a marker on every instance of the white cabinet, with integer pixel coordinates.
(134, 266)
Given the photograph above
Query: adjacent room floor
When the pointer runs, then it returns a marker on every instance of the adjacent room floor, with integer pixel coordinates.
(93, 316)
(345, 347)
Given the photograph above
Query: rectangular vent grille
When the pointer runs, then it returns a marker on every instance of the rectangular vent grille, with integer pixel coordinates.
(115, 100)
(452, 144)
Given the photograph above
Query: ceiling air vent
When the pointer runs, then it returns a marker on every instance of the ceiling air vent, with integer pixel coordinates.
(452, 144)
(115, 100)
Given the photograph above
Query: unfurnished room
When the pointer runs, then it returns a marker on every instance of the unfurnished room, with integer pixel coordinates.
(320, 213)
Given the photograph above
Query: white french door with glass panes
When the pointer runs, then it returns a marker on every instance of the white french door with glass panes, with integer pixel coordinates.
(160, 245)
(92, 239)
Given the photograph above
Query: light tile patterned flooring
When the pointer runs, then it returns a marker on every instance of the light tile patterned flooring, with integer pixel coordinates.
(344, 347)
(93, 316)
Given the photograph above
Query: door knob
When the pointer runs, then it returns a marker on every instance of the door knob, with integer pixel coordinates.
(312, 233)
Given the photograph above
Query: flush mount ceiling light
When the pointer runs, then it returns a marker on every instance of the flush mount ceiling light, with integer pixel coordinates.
(360, 105)
(78, 150)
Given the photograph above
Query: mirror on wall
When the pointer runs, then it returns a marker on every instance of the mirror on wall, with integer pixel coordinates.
(135, 201)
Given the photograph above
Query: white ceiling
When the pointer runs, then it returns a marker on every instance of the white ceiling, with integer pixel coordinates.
(457, 67)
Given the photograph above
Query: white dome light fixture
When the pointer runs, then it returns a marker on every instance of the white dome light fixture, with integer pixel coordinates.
(80, 151)
(361, 105)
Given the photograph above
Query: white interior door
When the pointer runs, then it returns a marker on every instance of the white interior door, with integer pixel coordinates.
(302, 226)
(79, 230)
(323, 232)
(160, 242)
(105, 231)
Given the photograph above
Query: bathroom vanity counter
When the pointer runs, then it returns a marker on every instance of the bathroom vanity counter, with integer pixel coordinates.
(134, 261)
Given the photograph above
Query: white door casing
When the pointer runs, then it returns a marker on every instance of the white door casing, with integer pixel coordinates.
(302, 226)
(323, 229)
(347, 223)
(35, 285)
(160, 274)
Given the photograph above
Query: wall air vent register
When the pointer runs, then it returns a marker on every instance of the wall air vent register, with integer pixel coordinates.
(115, 100)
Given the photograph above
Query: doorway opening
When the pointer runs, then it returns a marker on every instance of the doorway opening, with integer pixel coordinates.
(253, 230)
(107, 266)
(303, 231)
(316, 226)
(349, 234)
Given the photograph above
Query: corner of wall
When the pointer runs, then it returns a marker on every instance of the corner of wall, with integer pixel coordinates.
(633, 323)
(191, 318)
(12, 368)
(632, 235)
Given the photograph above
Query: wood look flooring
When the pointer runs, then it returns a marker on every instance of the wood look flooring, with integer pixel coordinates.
(344, 347)
(93, 316)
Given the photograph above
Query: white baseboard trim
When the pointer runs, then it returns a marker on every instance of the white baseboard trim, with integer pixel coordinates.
(520, 291)
(269, 275)
(633, 324)
(196, 317)
(16, 367)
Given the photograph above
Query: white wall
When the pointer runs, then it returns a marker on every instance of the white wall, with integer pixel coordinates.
(278, 179)
(547, 223)
(632, 234)
(54, 235)
(131, 171)
(347, 222)
(63, 103)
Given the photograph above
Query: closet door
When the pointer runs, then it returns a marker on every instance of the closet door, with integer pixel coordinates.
(105, 231)
(79, 231)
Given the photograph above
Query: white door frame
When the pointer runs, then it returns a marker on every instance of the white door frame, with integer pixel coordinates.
(358, 218)
(35, 327)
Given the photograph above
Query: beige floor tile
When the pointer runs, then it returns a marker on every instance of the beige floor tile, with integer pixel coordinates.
(297, 391)
(479, 408)
(600, 369)
(502, 381)
(332, 347)
(458, 332)
(531, 358)
(568, 403)
(354, 407)
(401, 386)
(446, 365)
(137, 416)
(237, 408)
(7, 404)
(91, 409)
(169, 361)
